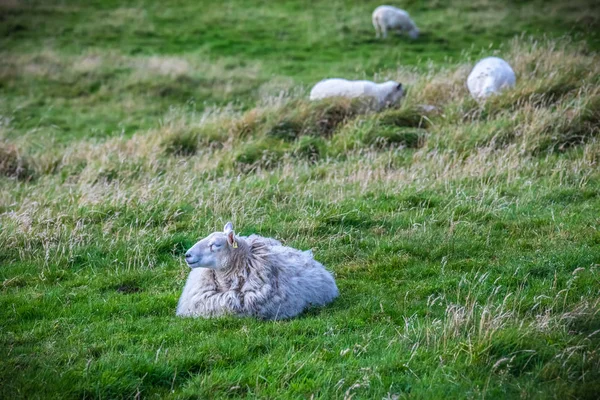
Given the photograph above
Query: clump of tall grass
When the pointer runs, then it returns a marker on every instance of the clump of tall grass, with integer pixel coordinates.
(498, 328)
(14, 164)
(300, 118)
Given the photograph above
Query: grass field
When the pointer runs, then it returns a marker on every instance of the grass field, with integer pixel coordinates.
(464, 239)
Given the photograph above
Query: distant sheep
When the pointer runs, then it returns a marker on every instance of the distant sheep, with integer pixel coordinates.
(382, 94)
(391, 18)
(252, 276)
(489, 76)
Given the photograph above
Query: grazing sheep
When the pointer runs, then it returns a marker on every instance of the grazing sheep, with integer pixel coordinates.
(489, 76)
(391, 18)
(382, 94)
(252, 276)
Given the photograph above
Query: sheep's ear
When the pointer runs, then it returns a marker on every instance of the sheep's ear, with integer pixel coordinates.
(230, 235)
(399, 87)
(231, 239)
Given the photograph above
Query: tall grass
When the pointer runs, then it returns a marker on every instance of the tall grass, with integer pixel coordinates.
(553, 107)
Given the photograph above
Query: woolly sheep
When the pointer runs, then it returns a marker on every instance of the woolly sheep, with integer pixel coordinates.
(252, 276)
(382, 94)
(391, 18)
(489, 76)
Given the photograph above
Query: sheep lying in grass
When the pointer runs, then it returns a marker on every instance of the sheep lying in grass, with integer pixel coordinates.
(489, 76)
(391, 18)
(382, 94)
(252, 276)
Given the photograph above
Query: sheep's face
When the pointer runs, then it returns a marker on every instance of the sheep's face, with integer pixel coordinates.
(395, 93)
(214, 251)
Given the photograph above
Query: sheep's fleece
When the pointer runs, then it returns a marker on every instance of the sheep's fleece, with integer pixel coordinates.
(391, 18)
(382, 94)
(489, 76)
(252, 276)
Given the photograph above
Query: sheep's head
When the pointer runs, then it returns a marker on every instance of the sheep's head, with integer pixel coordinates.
(413, 33)
(214, 251)
(395, 92)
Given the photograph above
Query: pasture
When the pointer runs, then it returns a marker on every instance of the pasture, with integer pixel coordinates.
(464, 239)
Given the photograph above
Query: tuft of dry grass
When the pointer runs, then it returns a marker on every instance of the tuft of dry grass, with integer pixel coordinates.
(13, 163)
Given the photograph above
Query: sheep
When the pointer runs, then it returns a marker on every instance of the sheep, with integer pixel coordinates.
(392, 18)
(252, 276)
(489, 76)
(381, 94)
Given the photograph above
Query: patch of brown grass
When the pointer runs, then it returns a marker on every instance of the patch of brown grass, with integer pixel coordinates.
(13, 164)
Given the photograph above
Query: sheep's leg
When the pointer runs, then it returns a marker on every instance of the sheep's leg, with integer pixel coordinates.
(384, 32)
(376, 26)
(377, 30)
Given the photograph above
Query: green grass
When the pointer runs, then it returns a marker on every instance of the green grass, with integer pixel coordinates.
(464, 238)
(77, 70)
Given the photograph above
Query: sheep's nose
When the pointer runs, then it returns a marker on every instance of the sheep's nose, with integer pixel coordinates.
(188, 255)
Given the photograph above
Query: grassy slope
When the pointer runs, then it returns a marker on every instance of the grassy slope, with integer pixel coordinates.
(464, 240)
(282, 44)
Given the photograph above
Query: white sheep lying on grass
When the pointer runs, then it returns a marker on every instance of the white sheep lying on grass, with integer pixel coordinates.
(489, 76)
(391, 18)
(382, 94)
(252, 276)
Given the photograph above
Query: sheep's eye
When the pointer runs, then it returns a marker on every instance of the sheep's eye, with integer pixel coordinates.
(213, 246)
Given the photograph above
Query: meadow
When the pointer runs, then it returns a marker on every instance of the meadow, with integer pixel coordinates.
(464, 238)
